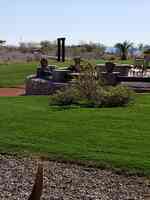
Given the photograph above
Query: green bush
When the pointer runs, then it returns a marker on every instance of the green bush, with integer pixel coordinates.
(109, 97)
(102, 97)
(67, 96)
(116, 96)
(91, 92)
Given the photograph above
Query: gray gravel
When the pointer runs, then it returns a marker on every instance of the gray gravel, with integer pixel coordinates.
(67, 181)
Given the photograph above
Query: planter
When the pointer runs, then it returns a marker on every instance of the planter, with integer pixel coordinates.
(109, 67)
(60, 76)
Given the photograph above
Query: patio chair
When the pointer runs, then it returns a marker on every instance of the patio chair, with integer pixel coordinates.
(139, 67)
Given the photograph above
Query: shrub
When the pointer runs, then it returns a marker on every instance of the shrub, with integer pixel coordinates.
(91, 92)
(67, 96)
(110, 57)
(102, 97)
(109, 97)
(87, 83)
(117, 96)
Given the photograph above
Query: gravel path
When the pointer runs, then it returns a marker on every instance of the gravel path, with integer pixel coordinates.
(67, 181)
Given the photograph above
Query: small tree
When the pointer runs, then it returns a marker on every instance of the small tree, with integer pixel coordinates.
(2, 42)
(123, 49)
(47, 46)
(87, 82)
(141, 47)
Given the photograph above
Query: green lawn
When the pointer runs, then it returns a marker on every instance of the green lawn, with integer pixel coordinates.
(119, 137)
(100, 61)
(14, 74)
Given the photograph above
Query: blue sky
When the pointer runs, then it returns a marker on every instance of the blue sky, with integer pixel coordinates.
(105, 21)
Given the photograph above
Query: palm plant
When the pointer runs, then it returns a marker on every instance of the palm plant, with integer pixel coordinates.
(124, 48)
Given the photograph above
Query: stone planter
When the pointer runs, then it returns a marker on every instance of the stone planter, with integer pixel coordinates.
(37, 86)
(109, 67)
(60, 76)
(109, 78)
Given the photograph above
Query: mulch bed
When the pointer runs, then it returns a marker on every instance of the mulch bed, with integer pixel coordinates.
(17, 91)
(67, 181)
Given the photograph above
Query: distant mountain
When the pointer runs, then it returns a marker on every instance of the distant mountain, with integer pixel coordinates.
(111, 50)
(133, 51)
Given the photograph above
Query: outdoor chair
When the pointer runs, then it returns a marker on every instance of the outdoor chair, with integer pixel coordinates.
(139, 67)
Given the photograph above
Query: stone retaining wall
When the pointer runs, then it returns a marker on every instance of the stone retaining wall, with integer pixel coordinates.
(37, 86)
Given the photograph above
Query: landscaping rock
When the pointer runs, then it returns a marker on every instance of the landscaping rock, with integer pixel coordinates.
(67, 181)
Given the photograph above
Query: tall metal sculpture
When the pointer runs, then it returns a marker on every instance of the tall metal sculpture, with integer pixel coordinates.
(61, 49)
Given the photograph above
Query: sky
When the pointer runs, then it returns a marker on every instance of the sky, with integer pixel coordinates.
(103, 21)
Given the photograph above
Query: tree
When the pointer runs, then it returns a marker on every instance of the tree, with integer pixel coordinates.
(46, 46)
(2, 42)
(124, 49)
(141, 47)
(146, 47)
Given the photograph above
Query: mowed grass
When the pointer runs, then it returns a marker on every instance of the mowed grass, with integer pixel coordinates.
(100, 61)
(119, 137)
(14, 74)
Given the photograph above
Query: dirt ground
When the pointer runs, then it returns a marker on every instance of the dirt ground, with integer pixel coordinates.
(17, 91)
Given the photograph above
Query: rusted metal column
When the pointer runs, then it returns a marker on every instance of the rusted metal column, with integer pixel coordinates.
(59, 49)
(63, 49)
